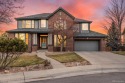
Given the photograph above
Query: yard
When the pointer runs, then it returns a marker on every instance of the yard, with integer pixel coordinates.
(27, 60)
(119, 52)
(69, 59)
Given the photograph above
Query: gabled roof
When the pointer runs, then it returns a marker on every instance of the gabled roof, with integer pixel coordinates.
(91, 34)
(82, 20)
(32, 17)
(60, 8)
(48, 15)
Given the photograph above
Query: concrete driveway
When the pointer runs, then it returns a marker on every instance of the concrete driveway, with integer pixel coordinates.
(103, 58)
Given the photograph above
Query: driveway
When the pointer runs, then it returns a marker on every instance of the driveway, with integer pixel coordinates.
(103, 58)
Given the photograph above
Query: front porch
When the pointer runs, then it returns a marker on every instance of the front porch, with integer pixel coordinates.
(42, 41)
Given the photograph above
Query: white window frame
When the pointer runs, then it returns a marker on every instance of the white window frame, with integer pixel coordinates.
(34, 39)
(32, 24)
(43, 23)
(85, 26)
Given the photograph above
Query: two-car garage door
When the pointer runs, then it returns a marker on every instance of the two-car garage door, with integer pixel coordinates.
(86, 45)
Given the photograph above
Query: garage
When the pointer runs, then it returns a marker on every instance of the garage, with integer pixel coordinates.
(86, 45)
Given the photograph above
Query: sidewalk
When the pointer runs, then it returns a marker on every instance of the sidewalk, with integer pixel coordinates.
(54, 63)
(59, 73)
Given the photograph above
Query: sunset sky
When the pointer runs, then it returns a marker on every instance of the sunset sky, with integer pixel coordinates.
(86, 9)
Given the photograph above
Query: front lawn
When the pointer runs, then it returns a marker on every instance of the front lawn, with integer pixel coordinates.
(119, 52)
(27, 60)
(67, 57)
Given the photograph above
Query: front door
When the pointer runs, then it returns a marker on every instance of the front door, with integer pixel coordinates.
(43, 42)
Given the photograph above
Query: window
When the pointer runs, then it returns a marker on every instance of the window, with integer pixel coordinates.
(27, 23)
(57, 41)
(50, 39)
(60, 24)
(19, 24)
(85, 26)
(35, 39)
(22, 36)
(43, 23)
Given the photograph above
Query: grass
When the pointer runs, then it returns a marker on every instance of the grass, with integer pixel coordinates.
(24, 61)
(119, 52)
(67, 57)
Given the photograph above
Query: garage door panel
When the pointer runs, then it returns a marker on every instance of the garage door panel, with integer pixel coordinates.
(86, 46)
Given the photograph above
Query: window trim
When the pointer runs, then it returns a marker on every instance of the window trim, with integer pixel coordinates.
(82, 28)
(34, 36)
(49, 39)
(41, 23)
(24, 25)
(56, 42)
(16, 35)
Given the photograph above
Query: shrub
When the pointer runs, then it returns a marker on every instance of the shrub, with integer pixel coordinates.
(10, 50)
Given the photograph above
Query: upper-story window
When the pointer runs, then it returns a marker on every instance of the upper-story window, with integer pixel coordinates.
(43, 23)
(85, 26)
(27, 23)
(60, 24)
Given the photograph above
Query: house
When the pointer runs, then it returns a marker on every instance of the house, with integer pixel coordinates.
(35, 30)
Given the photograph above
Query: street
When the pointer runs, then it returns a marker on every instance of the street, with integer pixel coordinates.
(97, 78)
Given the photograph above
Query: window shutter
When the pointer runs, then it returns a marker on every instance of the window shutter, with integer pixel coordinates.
(49, 39)
(34, 39)
(19, 24)
(36, 24)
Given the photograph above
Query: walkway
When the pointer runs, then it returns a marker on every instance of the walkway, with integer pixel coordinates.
(54, 63)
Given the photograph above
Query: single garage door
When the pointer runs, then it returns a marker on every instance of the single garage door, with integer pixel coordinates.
(86, 45)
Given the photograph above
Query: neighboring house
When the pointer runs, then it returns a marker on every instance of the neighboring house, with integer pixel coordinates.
(35, 30)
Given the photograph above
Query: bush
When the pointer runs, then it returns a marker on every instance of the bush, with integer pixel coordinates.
(10, 50)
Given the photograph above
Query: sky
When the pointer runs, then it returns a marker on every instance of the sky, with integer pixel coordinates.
(92, 10)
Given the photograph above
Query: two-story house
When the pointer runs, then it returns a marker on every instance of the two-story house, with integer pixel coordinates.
(35, 30)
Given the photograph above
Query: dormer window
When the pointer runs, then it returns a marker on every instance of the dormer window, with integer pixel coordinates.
(85, 26)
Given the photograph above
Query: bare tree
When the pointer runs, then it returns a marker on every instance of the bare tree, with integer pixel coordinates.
(63, 31)
(116, 13)
(8, 8)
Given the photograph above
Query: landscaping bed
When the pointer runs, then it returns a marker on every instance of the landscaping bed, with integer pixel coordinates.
(68, 59)
(119, 52)
(27, 63)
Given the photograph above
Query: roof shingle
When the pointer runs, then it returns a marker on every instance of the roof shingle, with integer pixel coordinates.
(90, 34)
(31, 30)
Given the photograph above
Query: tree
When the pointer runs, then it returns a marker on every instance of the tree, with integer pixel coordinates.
(10, 50)
(113, 38)
(63, 31)
(116, 13)
(8, 8)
